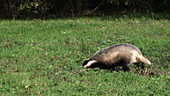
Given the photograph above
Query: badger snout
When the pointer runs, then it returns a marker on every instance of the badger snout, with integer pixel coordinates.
(88, 63)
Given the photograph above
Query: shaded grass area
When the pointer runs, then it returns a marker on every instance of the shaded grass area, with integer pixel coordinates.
(39, 57)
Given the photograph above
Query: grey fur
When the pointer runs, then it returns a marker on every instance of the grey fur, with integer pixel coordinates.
(118, 55)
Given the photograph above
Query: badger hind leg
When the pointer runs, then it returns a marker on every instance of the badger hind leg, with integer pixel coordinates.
(125, 63)
(140, 64)
(126, 67)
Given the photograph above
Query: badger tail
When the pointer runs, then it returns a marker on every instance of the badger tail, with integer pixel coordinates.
(144, 60)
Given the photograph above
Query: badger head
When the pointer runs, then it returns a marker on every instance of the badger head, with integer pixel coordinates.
(90, 63)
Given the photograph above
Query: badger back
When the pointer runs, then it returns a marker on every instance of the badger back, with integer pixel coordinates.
(111, 53)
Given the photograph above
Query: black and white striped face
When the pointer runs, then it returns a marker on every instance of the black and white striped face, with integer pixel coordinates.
(89, 63)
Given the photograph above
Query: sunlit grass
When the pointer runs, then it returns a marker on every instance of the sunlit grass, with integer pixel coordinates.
(39, 57)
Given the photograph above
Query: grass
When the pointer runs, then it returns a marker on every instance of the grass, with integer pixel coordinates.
(44, 57)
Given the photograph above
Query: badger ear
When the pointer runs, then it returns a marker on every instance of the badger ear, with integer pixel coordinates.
(86, 61)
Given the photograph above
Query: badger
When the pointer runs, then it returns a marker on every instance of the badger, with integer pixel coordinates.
(121, 55)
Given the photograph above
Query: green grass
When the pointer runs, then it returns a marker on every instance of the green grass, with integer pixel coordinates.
(44, 57)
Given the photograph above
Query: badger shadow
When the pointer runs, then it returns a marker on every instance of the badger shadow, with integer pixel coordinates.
(108, 67)
(118, 66)
(148, 72)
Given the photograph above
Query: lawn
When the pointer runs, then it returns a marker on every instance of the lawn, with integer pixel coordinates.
(44, 57)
